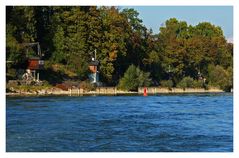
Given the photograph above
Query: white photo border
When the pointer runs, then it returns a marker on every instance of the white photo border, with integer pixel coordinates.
(233, 3)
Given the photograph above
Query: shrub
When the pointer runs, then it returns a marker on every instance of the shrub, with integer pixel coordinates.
(86, 85)
(11, 74)
(166, 83)
(134, 78)
(62, 86)
(186, 82)
(198, 84)
(219, 77)
(12, 83)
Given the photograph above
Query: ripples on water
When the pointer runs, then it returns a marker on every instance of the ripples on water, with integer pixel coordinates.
(121, 123)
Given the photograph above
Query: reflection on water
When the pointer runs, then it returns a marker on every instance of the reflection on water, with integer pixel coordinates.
(201, 122)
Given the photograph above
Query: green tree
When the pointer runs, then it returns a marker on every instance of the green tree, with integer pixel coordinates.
(24, 20)
(207, 29)
(69, 35)
(132, 17)
(12, 46)
(134, 78)
(70, 46)
(172, 43)
(44, 28)
(20, 29)
(206, 46)
(113, 45)
(137, 43)
(188, 50)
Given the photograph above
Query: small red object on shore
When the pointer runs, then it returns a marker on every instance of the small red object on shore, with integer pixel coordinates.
(145, 91)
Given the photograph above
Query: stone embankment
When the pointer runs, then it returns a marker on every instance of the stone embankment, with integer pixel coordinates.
(155, 90)
(112, 91)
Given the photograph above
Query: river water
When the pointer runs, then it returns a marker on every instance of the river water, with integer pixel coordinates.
(162, 123)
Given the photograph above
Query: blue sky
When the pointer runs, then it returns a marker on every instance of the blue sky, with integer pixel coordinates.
(154, 16)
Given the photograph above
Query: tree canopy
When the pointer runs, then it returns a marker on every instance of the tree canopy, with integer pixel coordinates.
(69, 35)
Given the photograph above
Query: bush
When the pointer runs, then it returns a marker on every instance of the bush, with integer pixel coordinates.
(86, 85)
(27, 88)
(134, 78)
(219, 77)
(198, 84)
(12, 83)
(186, 82)
(11, 74)
(166, 83)
(63, 86)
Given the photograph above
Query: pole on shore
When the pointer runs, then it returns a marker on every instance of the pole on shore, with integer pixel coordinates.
(70, 92)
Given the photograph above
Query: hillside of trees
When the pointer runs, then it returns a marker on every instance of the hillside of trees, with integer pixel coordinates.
(181, 55)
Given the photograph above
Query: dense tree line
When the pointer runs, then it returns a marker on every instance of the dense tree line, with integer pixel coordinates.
(69, 35)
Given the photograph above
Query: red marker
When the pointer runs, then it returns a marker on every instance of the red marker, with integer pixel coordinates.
(145, 91)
